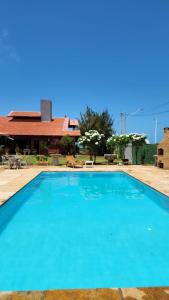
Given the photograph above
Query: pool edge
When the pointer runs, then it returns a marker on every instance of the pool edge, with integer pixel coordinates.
(160, 293)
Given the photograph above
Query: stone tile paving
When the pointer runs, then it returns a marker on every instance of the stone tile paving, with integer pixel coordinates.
(91, 294)
(13, 180)
(146, 294)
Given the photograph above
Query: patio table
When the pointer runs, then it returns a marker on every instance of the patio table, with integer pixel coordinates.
(14, 162)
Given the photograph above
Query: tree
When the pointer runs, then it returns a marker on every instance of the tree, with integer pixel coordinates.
(88, 120)
(67, 144)
(105, 123)
(91, 140)
(102, 122)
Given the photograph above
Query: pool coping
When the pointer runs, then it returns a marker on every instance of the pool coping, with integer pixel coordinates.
(20, 189)
(161, 293)
(148, 185)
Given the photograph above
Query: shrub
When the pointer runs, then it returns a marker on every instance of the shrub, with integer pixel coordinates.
(92, 141)
(119, 142)
(67, 145)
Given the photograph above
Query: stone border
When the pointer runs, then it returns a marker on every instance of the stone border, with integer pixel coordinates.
(90, 294)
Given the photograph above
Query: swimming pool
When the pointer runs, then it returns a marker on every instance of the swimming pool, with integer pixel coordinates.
(84, 230)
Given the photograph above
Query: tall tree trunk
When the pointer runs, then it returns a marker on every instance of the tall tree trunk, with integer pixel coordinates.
(91, 155)
(94, 158)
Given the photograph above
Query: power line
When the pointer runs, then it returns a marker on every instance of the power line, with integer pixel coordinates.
(124, 116)
(152, 114)
(127, 116)
(135, 112)
(159, 105)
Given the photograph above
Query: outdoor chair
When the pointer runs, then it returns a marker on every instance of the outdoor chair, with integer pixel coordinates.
(72, 162)
(14, 162)
(23, 163)
(4, 160)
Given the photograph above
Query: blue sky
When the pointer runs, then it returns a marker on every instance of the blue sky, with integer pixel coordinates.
(101, 53)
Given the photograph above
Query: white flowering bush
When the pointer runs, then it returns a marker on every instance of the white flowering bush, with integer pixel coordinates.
(137, 138)
(91, 140)
(119, 142)
(112, 143)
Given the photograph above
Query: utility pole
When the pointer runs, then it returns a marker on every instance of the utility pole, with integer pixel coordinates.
(125, 117)
(121, 123)
(155, 131)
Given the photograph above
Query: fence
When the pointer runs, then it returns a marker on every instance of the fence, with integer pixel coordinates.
(144, 154)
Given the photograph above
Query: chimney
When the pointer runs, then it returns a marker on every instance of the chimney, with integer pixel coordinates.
(46, 110)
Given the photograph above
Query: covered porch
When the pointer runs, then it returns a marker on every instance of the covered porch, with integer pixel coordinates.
(29, 144)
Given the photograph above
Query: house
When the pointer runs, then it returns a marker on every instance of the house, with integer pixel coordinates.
(36, 132)
(163, 151)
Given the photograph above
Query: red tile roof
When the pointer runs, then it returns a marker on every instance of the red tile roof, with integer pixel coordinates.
(56, 127)
(73, 122)
(23, 114)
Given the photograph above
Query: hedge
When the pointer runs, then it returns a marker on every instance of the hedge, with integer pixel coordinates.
(145, 154)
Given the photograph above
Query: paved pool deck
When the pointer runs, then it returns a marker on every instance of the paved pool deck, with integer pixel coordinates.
(12, 181)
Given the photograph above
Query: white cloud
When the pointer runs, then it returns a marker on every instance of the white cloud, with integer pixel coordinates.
(7, 51)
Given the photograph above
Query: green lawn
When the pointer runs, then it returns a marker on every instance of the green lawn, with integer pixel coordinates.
(33, 159)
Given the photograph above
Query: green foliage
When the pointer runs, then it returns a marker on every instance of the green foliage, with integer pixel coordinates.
(111, 144)
(92, 140)
(41, 158)
(122, 142)
(88, 120)
(118, 143)
(44, 145)
(35, 159)
(138, 140)
(144, 154)
(101, 122)
(67, 145)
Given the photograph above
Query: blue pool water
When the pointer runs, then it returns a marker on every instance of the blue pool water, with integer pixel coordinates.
(84, 230)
